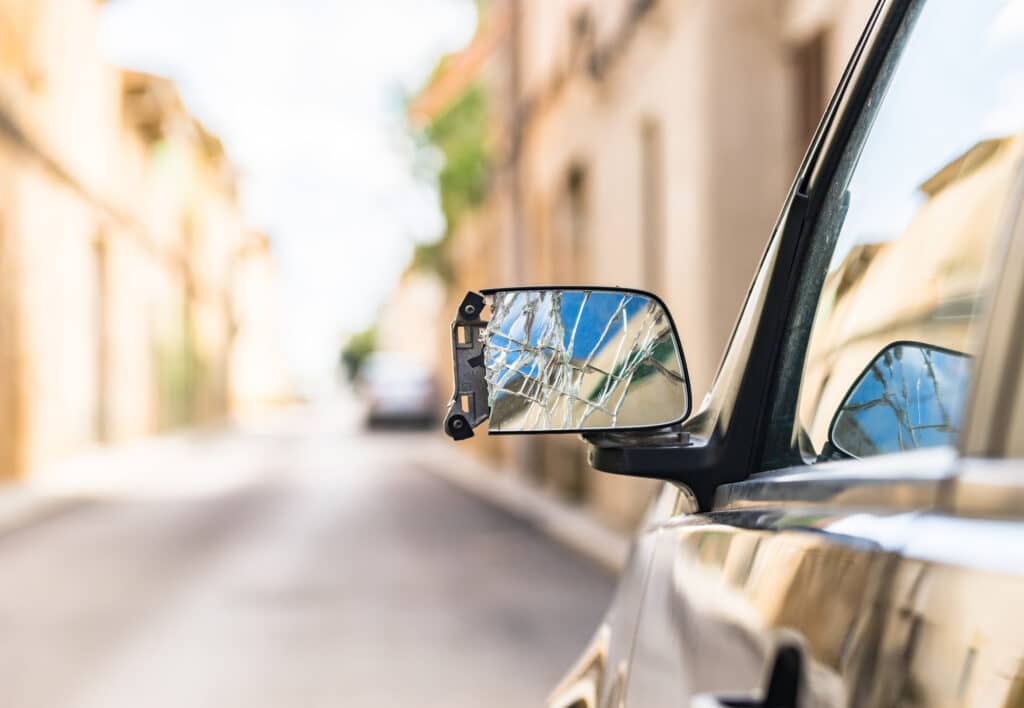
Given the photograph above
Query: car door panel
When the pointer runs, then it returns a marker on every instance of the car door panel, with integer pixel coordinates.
(785, 561)
(598, 678)
(889, 606)
(967, 574)
(724, 599)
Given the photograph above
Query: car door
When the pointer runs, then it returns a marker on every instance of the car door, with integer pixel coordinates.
(882, 571)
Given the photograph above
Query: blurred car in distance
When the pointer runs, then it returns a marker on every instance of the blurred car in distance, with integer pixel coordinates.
(399, 391)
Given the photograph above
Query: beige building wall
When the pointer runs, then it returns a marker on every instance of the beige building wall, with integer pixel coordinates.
(411, 321)
(657, 154)
(119, 237)
(697, 102)
(258, 379)
(650, 145)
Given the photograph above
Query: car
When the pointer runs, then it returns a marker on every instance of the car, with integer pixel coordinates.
(842, 521)
(399, 391)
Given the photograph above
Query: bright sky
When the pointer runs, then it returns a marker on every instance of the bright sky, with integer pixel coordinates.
(308, 98)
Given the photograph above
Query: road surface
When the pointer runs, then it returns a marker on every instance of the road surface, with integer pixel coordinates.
(300, 562)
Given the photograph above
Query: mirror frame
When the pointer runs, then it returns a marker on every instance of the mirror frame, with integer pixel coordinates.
(864, 372)
(489, 292)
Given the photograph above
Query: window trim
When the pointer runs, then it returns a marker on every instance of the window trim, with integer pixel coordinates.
(778, 429)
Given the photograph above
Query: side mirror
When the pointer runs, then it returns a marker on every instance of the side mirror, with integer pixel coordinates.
(566, 360)
(910, 396)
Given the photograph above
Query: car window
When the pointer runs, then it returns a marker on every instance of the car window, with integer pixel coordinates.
(902, 256)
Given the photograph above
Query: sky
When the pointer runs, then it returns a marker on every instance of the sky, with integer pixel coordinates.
(308, 97)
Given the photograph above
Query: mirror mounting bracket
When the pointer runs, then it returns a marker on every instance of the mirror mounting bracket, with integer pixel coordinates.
(671, 455)
(468, 407)
(667, 437)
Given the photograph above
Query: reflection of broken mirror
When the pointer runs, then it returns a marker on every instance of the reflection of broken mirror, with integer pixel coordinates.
(582, 360)
(911, 396)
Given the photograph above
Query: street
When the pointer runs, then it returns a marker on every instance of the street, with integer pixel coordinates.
(295, 562)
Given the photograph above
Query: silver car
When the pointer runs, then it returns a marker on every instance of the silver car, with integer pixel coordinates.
(398, 390)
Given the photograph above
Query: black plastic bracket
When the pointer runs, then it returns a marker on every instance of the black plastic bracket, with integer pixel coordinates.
(468, 407)
(669, 454)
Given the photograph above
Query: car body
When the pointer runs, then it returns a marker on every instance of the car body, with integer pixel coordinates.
(775, 567)
(398, 391)
(802, 577)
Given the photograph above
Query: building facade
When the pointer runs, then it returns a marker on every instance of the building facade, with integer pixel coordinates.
(641, 143)
(120, 236)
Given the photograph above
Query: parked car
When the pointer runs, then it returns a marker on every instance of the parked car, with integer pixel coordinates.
(842, 520)
(398, 390)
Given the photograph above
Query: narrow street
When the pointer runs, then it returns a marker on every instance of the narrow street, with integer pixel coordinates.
(299, 562)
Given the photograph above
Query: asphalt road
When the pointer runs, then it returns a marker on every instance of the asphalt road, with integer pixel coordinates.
(295, 563)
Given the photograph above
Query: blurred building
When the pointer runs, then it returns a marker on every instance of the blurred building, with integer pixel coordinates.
(121, 243)
(257, 377)
(411, 319)
(644, 143)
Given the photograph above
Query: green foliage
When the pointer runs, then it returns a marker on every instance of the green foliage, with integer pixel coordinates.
(181, 372)
(356, 350)
(433, 258)
(459, 134)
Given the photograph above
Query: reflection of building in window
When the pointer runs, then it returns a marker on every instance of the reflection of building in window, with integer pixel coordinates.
(924, 285)
(652, 196)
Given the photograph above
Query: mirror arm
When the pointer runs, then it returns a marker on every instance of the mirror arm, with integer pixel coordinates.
(669, 455)
(468, 407)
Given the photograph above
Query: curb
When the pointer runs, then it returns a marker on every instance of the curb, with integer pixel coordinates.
(575, 528)
(20, 508)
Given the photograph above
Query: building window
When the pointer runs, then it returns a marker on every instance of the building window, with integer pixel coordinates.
(574, 228)
(652, 200)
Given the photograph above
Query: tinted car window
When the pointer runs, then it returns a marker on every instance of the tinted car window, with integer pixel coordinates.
(903, 250)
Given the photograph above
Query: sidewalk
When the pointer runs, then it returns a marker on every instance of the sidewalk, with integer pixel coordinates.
(185, 462)
(20, 506)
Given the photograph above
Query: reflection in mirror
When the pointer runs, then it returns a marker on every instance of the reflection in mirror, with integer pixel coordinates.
(911, 396)
(577, 360)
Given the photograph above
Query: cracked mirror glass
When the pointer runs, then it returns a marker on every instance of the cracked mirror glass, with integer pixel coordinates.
(910, 397)
(578, 360)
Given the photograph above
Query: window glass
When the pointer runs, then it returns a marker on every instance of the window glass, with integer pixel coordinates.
(902, 253)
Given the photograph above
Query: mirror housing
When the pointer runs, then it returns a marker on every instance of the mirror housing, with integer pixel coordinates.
(566, 360)
(910, 396)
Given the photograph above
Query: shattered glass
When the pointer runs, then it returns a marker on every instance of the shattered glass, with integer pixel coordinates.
(910, 397)
(581, 360)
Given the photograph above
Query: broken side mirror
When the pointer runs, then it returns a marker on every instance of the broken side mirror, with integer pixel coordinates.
(910, 396)
(566, 360)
